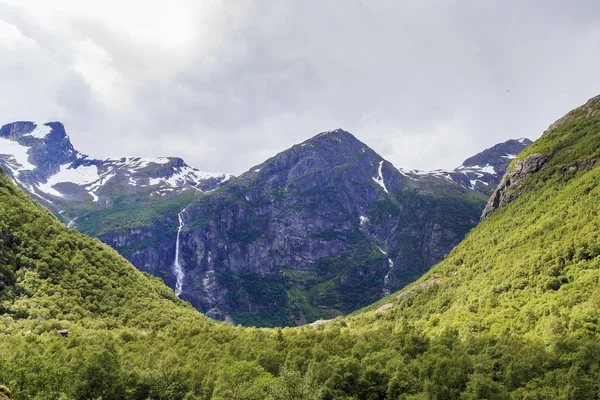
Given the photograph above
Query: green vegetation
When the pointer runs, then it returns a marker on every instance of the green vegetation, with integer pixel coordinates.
(512, 313)
(134, 212)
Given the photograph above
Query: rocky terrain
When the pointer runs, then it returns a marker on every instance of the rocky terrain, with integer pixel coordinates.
(483, 171)
(324, 228)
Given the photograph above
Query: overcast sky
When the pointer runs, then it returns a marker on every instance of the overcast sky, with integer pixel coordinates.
(226, 84)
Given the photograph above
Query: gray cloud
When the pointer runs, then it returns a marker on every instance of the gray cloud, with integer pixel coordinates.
(227, 84)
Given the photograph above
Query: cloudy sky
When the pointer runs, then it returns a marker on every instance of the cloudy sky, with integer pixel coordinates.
(225, 84)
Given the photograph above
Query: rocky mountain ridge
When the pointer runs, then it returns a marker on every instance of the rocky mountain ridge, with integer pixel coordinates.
(483, 171)
(42, 160)
(322, 227)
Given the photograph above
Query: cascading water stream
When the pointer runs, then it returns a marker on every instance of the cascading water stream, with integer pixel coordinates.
(177, 269)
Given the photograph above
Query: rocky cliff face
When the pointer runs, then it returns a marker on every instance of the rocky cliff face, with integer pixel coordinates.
(322, 228)
(508, 189)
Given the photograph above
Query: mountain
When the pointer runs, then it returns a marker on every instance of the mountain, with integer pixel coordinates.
(42, 160)
(104, 198)
(483, 171)
(532, 264)
(290, 241)
(512, 312)
(320, 229)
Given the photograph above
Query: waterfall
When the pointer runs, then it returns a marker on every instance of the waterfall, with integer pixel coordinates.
(177, 269)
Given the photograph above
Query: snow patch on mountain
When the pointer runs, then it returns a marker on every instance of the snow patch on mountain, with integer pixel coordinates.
(186, 176)
(40, 131)
(85, 176)
(136, 163)
(82, 175)
(379, 180)
(18, 153)
(488, 169)
(48, 188)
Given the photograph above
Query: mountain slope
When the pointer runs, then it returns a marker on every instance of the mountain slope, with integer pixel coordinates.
(533, 265)
(323, 228)
(50, 271)
(42, 160)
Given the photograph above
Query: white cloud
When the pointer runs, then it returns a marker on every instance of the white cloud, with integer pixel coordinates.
(227, 84)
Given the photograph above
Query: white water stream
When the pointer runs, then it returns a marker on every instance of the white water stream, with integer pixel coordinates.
(177, 269)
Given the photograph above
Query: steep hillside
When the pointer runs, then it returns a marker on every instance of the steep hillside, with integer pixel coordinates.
(50, 271)
(533, 264)
(511, 313)
(320, 229)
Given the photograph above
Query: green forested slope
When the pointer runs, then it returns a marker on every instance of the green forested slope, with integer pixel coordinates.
(512, 312)
(532, 267)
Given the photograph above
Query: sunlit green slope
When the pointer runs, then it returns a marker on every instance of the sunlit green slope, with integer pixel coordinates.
(511, 313)
(533, 266)
(48, 271)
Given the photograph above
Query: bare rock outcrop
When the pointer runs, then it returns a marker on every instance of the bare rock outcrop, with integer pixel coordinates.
(505, 193)
(4, 393)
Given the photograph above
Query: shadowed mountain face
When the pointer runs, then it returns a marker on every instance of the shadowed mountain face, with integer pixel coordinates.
(320, 229)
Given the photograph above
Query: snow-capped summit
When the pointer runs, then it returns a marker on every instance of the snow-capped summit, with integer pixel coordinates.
(483, 171)
(42, 160)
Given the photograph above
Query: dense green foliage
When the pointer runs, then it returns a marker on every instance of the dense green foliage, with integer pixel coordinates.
(129, 212)
(512, 312)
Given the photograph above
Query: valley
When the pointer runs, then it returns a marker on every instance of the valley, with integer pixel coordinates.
(319, 230)
(511, 312)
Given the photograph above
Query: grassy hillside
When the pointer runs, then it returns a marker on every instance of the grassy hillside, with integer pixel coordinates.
(532, 267)
(513, 312)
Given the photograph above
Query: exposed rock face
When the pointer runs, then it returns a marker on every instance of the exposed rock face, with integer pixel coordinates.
(143, 248)
(325, 227)
(4, 393)
(507, 191)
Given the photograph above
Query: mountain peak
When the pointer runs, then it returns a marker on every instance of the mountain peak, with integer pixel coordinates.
(333, 137)
(43, 131)
(498, 154)
(41, 158)
(325, 151)
(335, 132)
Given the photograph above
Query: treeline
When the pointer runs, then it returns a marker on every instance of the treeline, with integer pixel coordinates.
(388, 360)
